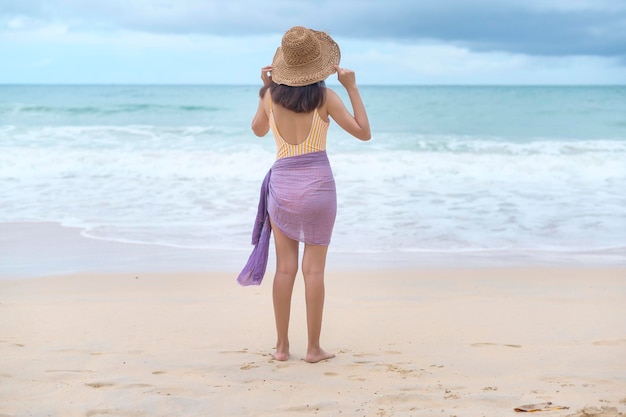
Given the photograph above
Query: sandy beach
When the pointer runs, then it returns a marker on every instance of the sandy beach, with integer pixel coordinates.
(478, 256)
(421, 342)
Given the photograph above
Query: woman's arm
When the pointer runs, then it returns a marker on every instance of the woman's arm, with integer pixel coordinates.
(261, 121)
(357, 125)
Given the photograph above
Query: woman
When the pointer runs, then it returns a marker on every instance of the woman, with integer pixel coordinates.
(298, 200)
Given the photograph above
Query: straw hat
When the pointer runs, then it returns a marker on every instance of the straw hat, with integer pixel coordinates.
(305, 57)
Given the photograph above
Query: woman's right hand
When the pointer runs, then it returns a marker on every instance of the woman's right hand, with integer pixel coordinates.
(346, 76)
(357, 124)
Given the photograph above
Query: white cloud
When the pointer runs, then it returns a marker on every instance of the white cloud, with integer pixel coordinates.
(437, 63)
(224, 42)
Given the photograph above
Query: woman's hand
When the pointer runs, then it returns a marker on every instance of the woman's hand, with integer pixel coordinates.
(266, 75)
(346, 77)
(358, 124)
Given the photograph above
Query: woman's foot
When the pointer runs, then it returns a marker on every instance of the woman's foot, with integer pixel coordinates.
(317, 355)
(280, 356)
(281, 353)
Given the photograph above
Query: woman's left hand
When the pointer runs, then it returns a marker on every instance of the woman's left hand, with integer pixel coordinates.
(266, 75)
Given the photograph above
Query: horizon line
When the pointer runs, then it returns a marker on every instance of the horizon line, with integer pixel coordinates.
(334, 84)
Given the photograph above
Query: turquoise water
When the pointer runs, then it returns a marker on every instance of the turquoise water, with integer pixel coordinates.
(449, 169)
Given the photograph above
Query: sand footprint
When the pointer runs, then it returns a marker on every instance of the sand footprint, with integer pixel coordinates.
(91, 413)
(230, 352)
(108, 412)
(485, 344)
(99, 384)
(78, 371)
(363, 355)
(616, 342)
(449, 395)
(137, 386)
(12, 344)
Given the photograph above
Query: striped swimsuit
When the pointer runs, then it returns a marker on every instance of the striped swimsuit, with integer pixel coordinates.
(298, 195)
(315, 141)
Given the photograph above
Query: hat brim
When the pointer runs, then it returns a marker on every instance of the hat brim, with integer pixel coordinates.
(310, 73)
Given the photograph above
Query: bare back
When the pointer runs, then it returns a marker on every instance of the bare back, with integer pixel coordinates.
(295, 127)
(299, 133)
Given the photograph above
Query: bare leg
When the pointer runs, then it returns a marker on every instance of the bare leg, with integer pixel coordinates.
(313, 265)
(286, 270)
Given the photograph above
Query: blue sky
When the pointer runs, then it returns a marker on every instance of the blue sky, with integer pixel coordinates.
(385, 42)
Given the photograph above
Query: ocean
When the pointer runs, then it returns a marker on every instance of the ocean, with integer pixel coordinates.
(450, 170)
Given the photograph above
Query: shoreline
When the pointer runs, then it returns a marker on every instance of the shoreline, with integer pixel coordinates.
(453, 342)
(33, 249)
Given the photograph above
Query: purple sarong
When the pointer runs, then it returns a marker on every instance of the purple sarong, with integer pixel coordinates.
(299, 195)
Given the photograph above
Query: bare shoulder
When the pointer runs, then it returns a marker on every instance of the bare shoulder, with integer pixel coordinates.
(332, 99)
(331, 94)
(334, 103)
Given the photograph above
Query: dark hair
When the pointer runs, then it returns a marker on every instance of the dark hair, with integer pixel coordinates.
(303, 99)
